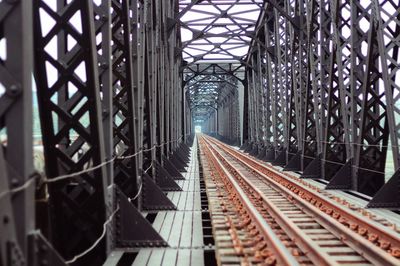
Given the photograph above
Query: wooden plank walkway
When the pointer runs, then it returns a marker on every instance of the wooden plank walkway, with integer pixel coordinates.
(182, 229)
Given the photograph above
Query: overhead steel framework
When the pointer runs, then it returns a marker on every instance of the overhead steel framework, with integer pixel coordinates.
(216, 36)
(310, 85)
(323, 93)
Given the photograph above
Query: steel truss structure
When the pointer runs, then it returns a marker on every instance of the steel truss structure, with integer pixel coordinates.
(309, 85)
(213, 96)
(215, 39)
(112, 114)
(323, 93)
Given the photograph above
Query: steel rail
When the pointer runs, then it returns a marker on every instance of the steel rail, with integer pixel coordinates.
(368, 235)
(284, 257)
(304, 242)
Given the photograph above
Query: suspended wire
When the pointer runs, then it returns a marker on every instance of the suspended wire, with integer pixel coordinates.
(67, 176)
(62, 177)
(148, 167)
(17, 189)
(138, 193)
(339, 163)
(347, 143)
(351, 143)
(141, 185)
(110, 218)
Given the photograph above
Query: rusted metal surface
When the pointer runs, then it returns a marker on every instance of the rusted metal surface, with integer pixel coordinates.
(314, 228)
(241, 235)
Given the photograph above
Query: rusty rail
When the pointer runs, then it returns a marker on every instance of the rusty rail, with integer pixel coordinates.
(269, 245)
(364, 236)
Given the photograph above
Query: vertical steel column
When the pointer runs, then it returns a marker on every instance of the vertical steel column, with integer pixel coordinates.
(295, 115)
(103, 34)
(137, 16)
(334, 154)
(125, 131)
(339, 148)
(387, 29)
(267, 87)
(77, 140)
(149, 83)
(270, 56)
(311, 140)
(374, 135)
(16, 163)
(371, 144)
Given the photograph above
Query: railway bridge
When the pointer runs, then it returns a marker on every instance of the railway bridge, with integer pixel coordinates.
(199, 132)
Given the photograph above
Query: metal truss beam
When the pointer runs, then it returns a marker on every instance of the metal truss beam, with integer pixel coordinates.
(70, 113)
(112, 109)
(330, 91)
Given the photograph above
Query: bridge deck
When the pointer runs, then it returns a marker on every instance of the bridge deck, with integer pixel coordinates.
(182, 229)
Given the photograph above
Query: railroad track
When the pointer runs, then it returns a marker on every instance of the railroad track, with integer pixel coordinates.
(297, 221)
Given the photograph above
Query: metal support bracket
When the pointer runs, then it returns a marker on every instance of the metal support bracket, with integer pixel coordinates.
(313, 169)
(41, 252)
(171, 169)
(153, 197)
(342, 179)
(179, 165)
(388, 196)
(280, 159)
(164, 179)
(132, 229)
(185, 148)
(261, 153)
(182, 154)
(178, 161)
(254, 150)
(249, 147)
(270, 155)
(244, 146)
(294, 163)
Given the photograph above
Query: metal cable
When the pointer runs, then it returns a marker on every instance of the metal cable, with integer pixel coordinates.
(338, 163)
(76, 257)
(62, 177)
(350, 143)
(67, 176)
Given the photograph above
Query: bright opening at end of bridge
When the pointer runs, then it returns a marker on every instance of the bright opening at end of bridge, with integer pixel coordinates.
(197, 129)
(216, 36)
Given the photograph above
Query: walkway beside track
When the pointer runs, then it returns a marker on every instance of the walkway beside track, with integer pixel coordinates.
(182, 229)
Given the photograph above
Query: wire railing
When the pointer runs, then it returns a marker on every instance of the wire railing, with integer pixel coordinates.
(32, 180)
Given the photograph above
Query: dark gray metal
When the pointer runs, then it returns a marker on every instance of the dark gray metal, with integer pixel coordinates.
(126, 171)
(41, 252)
(294, 163)
(235, 29)
(132, 229)
(153, 197)
(16, 163)
(103, 33)
(342, 179)
(171, 169)
(164, 180)
(313, 169)
(387, 196)
(327, 70)
(10, 249)
(317, 91)
(64, 105)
